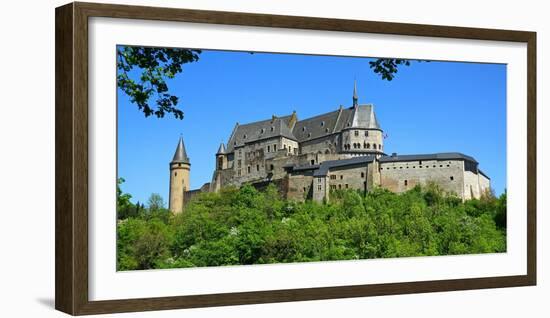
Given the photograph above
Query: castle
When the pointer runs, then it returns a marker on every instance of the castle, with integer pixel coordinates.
(305, 159)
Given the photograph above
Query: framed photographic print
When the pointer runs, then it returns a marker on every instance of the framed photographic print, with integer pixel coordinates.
(211, 158)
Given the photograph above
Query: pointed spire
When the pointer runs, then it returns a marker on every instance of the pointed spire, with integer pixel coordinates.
(355, 98)
(221, 150)
(180, 156)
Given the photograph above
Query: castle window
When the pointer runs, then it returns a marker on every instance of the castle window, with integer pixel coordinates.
(257, 167)
(368, 146)
(262, 131)
(333, 177)
(244, 136)
(248, 169)
(304, 189)
(356, 133)
(419, 166)
(440, 166)
(274, 147)
(322, 123)
(240, 152)
(406, 182)
(346, 185)
(268, 148)
(319, 187)
(327, 152)
(175, 174)
(379, 146)
(452, 178)
(326, 130)
(312, 162)
(448, 166)
(234, 143)
(271, 167)
(272, 128)
(304, 128)
(339, 186)
(420, 163)
(374, 146)
(318, 180)
(341, 177)
(414, 167)
(434, 166)
(239, 172)
(362, 174)
(366, 133)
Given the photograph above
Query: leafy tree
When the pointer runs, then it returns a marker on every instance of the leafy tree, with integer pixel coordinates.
(155, 202)
(155, 66)
(387, 68)
(247, 226)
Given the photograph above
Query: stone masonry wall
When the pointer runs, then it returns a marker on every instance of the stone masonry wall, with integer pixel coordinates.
(403, 176)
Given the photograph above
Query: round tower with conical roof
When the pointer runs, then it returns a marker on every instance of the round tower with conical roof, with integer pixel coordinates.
(180, 167)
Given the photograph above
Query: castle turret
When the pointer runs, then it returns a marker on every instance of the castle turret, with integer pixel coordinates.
(221, 158)
(180, 168)
(362, 134)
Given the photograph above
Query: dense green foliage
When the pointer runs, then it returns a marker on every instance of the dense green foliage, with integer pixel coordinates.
(245, 226)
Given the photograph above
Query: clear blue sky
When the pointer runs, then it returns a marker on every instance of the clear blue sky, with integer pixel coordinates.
(429, 107)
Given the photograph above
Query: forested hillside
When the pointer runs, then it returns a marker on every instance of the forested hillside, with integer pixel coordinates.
(246, 226)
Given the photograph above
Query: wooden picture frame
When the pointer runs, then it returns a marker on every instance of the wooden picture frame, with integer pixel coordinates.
(71, 155)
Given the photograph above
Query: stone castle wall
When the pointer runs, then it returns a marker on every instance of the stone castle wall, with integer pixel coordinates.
(403, 176)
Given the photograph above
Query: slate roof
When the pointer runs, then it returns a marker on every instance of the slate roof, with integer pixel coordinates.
(327, 165)
(265, 129)
(180, 156)
(433, 156)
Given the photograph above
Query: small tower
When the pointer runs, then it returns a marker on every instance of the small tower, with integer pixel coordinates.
(355, 98)
(221, 158)
(180, 168)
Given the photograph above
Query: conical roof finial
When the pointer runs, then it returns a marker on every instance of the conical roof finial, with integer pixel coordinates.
(180, 156)
(221, 150)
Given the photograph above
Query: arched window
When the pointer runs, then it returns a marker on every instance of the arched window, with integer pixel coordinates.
(327, 152)
(368, 146)
(379, 146)
(374, 146)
